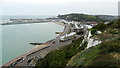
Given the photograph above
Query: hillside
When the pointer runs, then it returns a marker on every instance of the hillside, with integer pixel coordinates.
(106, 54)
(107, 17)
(80, 17)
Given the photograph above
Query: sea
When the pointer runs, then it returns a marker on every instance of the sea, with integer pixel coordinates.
(15, 39)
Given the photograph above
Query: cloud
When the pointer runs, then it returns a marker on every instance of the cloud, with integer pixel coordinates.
(55, 1)
(54, 7)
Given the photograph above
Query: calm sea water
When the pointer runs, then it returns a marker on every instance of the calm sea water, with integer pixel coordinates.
(16, 38)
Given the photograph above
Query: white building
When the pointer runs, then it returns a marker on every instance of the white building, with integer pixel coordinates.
(67, 36)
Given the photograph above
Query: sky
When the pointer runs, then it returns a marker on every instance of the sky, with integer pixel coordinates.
(55, 7)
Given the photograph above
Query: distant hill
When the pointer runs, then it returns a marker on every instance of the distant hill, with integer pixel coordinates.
(107, 17)
(80, 17)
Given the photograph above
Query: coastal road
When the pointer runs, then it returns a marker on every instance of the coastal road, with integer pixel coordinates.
(66, 31)
(44, 52)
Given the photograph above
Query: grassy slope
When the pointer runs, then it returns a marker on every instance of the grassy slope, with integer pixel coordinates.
(109, 54)
(105, 54)
(85, 57)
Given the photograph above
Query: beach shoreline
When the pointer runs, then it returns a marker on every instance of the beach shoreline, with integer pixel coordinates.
(58, 23)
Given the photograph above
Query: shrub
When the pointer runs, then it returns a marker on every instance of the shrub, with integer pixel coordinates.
(110, 46)
(105, 61)
(93, 31)
(100, 27)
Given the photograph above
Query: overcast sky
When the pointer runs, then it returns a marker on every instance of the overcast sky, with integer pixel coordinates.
(55, 7)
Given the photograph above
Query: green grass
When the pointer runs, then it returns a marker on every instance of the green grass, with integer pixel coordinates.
(99, 55)
(85, 57)
(105, 60)
(110, 46)
(104, 57)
